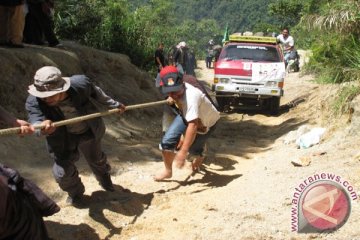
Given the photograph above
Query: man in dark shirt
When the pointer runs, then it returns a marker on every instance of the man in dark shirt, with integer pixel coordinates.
(54, 98)
(22, 203)
(159, 57)
(22, 206)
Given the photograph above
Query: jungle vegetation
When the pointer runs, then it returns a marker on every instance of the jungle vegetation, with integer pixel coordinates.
(329, 28)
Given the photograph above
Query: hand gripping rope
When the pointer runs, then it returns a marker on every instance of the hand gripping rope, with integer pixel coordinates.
(16, 130)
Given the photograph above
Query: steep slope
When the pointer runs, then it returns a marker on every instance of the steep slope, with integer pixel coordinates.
(112, 72)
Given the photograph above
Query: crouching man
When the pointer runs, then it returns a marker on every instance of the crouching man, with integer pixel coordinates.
(54, 98)
(196, 119)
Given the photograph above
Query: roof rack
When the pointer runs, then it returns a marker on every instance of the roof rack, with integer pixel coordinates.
(257, 39)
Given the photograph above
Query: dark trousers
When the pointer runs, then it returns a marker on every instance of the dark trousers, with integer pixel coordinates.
(38, 24)
(65, 171)
(208, 62)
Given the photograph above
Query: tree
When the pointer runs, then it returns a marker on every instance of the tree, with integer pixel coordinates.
(287, 12)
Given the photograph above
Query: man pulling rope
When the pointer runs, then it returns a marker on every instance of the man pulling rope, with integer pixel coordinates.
(54, 98)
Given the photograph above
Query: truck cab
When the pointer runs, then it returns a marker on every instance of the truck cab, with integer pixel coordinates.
(250, 71)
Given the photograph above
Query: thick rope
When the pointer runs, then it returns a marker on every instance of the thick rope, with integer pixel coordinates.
(16, 130)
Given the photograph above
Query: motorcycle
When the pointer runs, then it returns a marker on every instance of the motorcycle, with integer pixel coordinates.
(293, 62)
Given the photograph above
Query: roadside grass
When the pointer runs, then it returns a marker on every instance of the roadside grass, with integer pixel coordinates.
(342, 103)
(351, 75)
(337, 61)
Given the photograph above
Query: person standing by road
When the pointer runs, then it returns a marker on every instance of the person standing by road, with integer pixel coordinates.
(209, 56)
(54, 98)
(287, 42)
(12, 19)
(180, 56)
(209, 53)
(39, 22)
(159, 57)
(191, 65)
(196, 119)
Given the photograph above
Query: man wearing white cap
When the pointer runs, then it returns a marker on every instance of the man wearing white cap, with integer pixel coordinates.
(54, 98)
(180, 57)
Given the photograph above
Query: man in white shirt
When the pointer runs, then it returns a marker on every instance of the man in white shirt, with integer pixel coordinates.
(287, 42)
(196, 119)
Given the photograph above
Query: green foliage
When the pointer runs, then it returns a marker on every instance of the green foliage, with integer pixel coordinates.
(339, 16)
(334, 29)
(303, 36)
(74, 19)
(133, 30)
(106, 24)
(136, 27)
(331, 28)
(287, 12)
(265, 28)
(351, 53)
(324, 56)
(290, 14)
(240, 15)
(204, 30)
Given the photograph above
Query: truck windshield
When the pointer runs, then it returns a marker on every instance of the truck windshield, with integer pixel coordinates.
(250, 52)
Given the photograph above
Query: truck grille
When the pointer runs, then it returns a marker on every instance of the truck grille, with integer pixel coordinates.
(240, 79)
(236, 81)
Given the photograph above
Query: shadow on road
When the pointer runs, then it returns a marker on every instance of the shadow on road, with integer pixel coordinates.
(58, 231)
(211, 179)
(255, 110)
(122, 202)
(237, 140)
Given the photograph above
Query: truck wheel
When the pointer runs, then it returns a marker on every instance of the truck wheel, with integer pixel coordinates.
(296, 68)
(222, 103)
(274, 105)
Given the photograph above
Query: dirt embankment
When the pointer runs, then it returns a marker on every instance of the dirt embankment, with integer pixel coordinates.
(245, 189)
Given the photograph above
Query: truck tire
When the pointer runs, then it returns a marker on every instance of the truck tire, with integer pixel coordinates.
(296, 68)
(222, 103)
(274, 105)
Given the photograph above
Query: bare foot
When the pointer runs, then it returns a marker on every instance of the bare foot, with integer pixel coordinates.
(163, 175)
(197, 163)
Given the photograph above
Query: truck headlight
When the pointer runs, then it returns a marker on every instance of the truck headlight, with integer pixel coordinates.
(224, 80)
(271, 84)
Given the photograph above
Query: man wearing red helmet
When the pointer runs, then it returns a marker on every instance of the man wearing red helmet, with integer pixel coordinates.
(196, 119)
